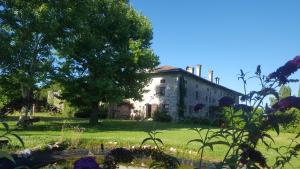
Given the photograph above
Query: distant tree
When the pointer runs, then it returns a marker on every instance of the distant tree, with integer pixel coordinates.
(272, 100)
(285, 91)
(105, 46)
(26, 57)
(299, 91)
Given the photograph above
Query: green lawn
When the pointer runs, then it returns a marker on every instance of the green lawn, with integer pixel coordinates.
(126, 133)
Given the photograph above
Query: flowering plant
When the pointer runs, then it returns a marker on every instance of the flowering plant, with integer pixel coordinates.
(246, 125)
(86, 163)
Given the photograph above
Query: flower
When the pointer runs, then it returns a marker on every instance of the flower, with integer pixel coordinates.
(86, 163)
(283, 72)
(198, 107)
(286, 103)
(226, 101)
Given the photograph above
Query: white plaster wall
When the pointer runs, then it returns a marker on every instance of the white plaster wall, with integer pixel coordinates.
(151, 97)
(208, 95)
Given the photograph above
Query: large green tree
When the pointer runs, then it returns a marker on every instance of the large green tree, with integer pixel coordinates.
(26, 52)
(285, 91)
(105, 50)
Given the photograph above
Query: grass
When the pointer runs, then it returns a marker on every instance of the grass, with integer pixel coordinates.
(115, 133)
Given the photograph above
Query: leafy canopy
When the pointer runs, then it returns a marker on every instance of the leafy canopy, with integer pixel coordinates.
(105, 51)
(26, 52)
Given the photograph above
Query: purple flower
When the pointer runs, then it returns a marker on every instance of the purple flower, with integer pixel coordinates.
(286, 103)
(283, 72)
(226, 101)
(86, 163)
(198, 107)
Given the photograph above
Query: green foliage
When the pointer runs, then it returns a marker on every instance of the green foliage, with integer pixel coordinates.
(152, 137)
(26, 55)
(299, 91)
(3, 99)
(8, 134)
(285, 91)
(208, 140)
(248, 124)
(272, 100)
(161, 160)
(162, 116)
(106, 51)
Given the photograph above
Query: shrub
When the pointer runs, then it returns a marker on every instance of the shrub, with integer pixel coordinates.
(162, 116)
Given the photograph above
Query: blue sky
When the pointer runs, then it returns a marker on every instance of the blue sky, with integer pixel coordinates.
(225, 35)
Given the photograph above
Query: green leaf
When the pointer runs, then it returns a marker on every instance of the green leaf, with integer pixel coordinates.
(5, 125)
(4, 154)
(19, 138)
(145, 140)
(276, 128)
(159, 140)
(195, 140)
(210, 145)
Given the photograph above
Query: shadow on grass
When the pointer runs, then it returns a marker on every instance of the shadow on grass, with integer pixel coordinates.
(55, 124)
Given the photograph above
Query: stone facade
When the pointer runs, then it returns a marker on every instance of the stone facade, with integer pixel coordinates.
(163, 93)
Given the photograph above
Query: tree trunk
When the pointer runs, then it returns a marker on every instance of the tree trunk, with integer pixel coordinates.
(94, 116)
(27, 96)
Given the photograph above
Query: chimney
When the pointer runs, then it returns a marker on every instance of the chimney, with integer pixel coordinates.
(190, 69)
(217, 80)
(211, 75)
(198, 70)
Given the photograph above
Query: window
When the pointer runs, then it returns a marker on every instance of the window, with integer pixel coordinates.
(197, 95)
(163, 81)
(196, 85)
(206, 98)
(162, 91)
(165, 107)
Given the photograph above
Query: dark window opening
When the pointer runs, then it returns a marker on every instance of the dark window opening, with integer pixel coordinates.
(162, 91)
(197, 95)
(163, 81)
(165, 107)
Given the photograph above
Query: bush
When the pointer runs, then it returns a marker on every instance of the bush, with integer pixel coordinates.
(162, 116)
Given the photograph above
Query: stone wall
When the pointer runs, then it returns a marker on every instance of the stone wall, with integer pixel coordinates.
(197, 92)
(153, 97)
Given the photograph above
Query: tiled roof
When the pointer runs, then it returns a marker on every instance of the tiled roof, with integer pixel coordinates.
(172, 69)
(166, 68)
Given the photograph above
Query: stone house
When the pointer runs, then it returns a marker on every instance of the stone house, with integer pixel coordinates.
(163, 92)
